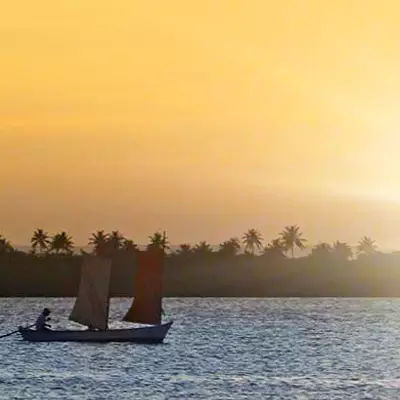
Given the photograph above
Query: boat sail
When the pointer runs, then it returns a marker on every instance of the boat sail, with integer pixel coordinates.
(92, 304)
(146, 307)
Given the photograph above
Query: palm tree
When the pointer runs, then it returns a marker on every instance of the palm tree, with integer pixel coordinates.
(40, 239)
(230, 247)
(252, 240)
(129, 246)
(116, 240)
(202, 248)
(99, 241)
(158, 241)
(184, 250)
(5, 245)
(342, 250)
(292, 237)
(366, 246)
(322, 250)
(62, 243)
(275, 248)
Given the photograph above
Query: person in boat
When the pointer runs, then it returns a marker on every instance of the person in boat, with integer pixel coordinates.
(42, 319)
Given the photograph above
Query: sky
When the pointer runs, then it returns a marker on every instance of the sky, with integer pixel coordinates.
(204, 118)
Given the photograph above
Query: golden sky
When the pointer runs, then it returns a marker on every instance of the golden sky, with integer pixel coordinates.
(201, 117)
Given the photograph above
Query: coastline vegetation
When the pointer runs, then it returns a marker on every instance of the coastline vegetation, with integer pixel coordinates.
(240, 266)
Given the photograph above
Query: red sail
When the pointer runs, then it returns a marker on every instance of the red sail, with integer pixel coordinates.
(146, 306)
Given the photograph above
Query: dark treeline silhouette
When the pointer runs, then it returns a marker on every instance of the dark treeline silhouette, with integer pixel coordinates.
(242, 266)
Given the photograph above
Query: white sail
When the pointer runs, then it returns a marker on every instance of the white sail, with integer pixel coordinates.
(92, 303)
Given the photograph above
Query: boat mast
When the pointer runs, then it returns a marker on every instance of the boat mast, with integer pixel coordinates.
(108, 300)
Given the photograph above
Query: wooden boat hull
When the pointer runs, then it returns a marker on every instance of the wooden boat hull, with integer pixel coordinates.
(147, 334)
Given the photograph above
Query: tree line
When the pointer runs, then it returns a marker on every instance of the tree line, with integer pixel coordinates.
(251, 243)
(243, 266)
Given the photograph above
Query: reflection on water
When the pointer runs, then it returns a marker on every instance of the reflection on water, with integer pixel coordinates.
(217, 349)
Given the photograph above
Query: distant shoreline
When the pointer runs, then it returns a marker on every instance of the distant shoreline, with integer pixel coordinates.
(172, 248)
(213, 275)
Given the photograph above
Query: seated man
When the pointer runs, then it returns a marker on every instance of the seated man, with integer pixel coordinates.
(41, 322)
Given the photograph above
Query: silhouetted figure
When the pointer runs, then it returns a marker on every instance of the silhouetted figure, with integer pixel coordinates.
(41, 322)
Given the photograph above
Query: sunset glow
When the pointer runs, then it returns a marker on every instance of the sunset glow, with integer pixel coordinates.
(203, 118)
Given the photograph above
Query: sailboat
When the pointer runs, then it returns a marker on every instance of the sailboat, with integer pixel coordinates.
(92, 305)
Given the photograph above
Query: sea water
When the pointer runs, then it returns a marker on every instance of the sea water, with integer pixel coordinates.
(216, 349)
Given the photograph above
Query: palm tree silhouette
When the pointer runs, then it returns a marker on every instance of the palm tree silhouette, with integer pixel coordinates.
(62, 243)
(116, 240)
(184, 250)
(342, 250)
(158, 241)
(40, 239)
(322, 250)
(275, 248)
(5, 246)
(292, 237)
(230, 247)
(129, 246)
(202, 249)
(252, 240)
(366, 246)
(99, 241)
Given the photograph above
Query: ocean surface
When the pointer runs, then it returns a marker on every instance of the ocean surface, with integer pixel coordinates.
(217, 349)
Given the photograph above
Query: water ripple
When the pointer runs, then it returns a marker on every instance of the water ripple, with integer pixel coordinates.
(217, 349)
